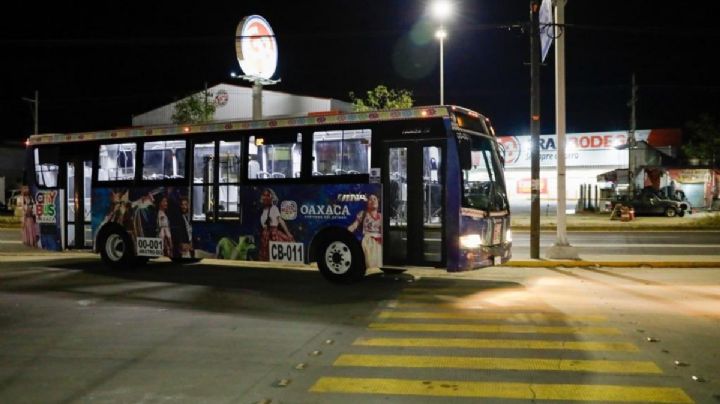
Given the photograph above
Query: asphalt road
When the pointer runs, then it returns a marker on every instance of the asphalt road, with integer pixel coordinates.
(651, 243)
(73, 332)
(635, 243)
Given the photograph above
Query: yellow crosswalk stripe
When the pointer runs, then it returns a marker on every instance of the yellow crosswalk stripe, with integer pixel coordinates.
(472, 362)
(537, 317)
(492, 328)
(527, 391)
(498, 344)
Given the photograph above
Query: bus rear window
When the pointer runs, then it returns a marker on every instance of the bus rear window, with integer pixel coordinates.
(117, 162)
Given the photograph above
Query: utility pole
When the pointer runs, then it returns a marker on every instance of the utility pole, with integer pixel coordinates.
(36, 106)
(562, 248)
(632, 142)
(534, 130)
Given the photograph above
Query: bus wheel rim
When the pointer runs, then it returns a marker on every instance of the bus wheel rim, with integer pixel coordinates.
(338, 258)
(115, 247)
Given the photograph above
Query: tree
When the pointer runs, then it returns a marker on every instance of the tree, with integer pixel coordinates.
(197, 108)
(702, 140)
(382, 97)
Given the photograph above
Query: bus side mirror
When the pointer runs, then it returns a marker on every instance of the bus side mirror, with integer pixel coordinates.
(501, 154)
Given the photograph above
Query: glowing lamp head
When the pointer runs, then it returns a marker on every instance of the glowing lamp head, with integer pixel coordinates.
(441, 9)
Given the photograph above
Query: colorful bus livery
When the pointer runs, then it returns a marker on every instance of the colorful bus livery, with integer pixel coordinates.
(386, 189)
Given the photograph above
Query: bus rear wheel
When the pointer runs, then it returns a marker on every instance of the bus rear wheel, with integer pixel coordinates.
(116, 249)
(340, 258)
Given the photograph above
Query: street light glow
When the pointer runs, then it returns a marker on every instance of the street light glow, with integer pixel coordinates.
(441, 9)
(441, 34)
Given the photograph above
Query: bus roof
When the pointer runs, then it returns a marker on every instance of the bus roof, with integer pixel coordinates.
(228, 126)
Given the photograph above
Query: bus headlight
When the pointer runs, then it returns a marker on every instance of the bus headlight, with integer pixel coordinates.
(470, 241)
(508, 236)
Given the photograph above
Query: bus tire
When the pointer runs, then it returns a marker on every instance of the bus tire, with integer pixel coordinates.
(340, 257)
(116, 249)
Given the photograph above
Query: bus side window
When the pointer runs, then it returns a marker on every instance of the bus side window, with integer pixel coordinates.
(341, 152)
(164, 160)
(229, 185)
(46, 167)
(203, 180)
(275, 156)
(117, 162)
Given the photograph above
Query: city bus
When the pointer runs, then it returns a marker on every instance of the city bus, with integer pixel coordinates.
(349, 191)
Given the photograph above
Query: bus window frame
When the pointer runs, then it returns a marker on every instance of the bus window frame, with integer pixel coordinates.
(375, 139)
(245, 160)
(56, 159)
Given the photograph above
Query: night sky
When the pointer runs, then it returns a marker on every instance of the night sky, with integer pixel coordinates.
(97, 64)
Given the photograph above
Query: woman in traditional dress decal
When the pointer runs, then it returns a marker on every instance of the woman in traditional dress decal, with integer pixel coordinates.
(272, 226)
(370, 221)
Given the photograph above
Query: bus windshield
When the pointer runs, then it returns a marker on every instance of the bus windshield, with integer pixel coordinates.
(483, 186)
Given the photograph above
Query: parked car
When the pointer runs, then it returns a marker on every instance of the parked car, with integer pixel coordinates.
(651, 203)
(14, 202)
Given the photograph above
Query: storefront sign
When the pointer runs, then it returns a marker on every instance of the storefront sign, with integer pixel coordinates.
(580, 149)
(256, 47)
(524, 186)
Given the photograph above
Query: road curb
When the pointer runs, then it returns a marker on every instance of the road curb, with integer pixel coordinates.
(614, 264)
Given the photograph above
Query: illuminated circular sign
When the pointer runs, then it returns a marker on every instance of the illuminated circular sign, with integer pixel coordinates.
(256, 47)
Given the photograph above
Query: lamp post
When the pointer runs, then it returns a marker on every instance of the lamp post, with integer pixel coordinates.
(441, 34)
(441, 11)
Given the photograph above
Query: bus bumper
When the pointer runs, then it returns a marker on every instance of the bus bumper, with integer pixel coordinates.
(483, 256)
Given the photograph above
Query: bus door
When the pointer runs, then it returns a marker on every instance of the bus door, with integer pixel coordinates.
(78, 192)
(413, 194)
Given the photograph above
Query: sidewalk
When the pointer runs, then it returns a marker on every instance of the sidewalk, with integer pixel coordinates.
(602, 222)
(699, 221)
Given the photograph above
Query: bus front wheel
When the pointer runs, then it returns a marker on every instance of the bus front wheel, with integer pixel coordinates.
(340, 258)
(116, 249)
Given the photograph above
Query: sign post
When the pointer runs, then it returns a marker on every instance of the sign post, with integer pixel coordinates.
(561, 249)
(534, 131)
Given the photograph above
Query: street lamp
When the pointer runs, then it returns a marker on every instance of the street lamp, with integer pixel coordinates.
(441, 34)
(440, 11)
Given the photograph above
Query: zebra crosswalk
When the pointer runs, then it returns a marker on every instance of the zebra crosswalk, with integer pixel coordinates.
(412, 345)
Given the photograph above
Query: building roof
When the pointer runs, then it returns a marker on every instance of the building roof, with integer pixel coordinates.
(234, 102)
